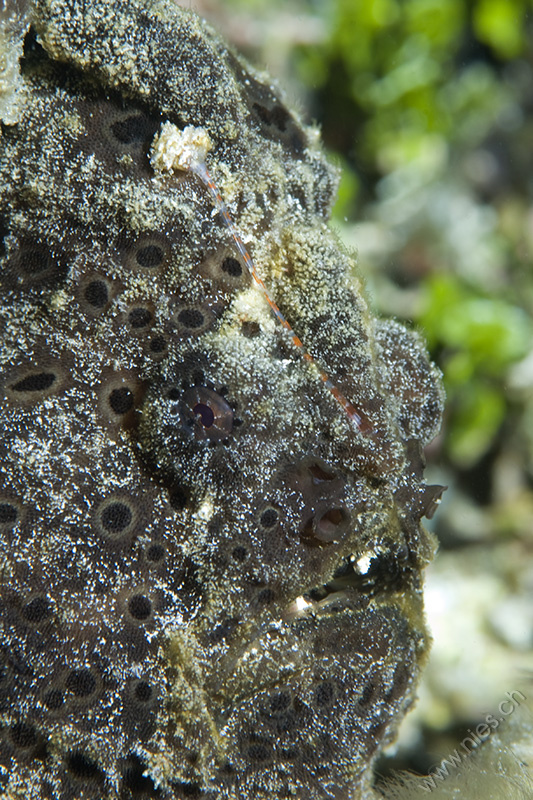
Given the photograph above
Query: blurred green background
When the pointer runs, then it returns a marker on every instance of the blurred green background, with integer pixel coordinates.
(427, 108)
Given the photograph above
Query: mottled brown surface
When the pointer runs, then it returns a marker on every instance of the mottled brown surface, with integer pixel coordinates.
(192, 609)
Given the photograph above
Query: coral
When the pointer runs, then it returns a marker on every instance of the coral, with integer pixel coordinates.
(211, 578)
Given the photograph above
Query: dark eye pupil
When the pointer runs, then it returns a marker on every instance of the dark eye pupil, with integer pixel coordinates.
(204, 412)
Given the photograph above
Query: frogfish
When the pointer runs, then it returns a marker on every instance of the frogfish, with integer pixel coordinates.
(211, 457)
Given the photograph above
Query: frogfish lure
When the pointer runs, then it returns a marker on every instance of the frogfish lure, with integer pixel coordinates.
(186, 150)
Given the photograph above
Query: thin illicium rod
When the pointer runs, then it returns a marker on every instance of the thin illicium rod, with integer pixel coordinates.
(200, 170)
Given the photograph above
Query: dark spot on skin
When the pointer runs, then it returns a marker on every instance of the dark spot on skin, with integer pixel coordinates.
(81, 682)
(158, 344)
(134, 779)
(140, 317)
(232, 267)
(191, 318)
(149, 256)
(96, 294)
(324, 694)
(53, 699)
(155, 553)
(143, 692)
(239, 553)
(37, 610)
(35, 262)
(265, 597)
(260, 751)
(227, 771)
(23, 736)
(116, 517)
(38, 382)
(279, 702)
(140, 607)
(121, 400)
(178, 497)
(81, 766)
(269, 518)
(250, 329)
(8, 513)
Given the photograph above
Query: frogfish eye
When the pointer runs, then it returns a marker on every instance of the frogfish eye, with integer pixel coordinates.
(206, 414)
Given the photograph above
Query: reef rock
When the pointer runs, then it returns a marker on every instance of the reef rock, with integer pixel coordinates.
(211, 577)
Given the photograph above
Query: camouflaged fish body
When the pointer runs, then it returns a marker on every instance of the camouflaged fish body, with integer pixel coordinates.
(211, 580)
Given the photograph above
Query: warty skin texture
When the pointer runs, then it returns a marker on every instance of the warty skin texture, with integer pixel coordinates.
(192, 609)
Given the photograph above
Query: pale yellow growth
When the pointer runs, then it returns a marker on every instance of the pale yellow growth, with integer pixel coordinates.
(181, 150)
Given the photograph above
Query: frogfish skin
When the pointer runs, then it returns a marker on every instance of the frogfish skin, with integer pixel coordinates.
(210, 576)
